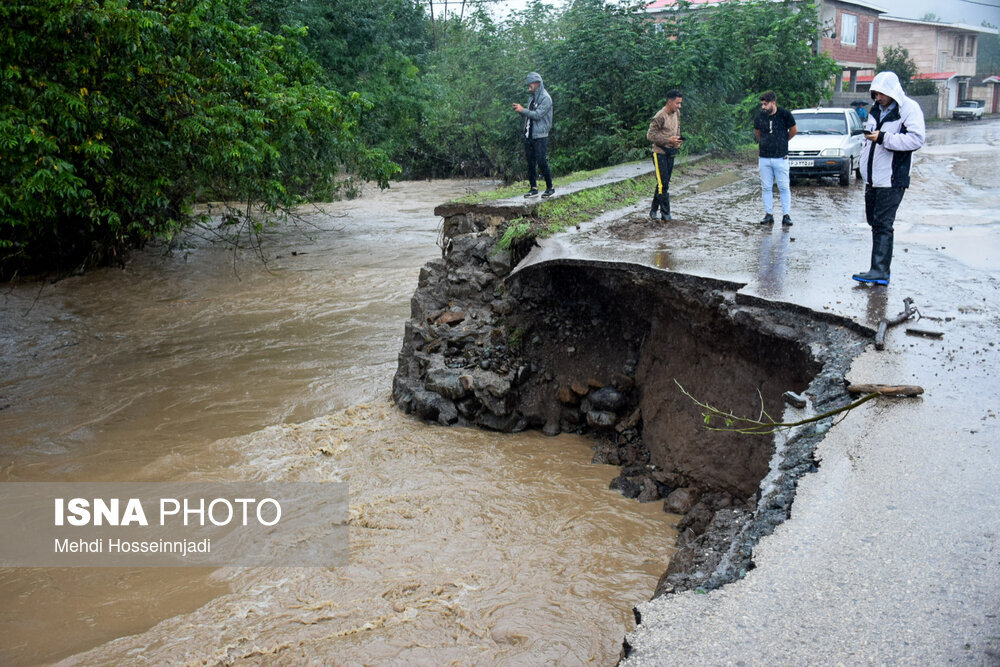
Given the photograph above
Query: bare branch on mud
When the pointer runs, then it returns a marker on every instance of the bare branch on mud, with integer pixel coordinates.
(908, 311)
(764, 424)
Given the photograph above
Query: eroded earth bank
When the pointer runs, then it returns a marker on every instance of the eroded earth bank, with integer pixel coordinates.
(604, 349)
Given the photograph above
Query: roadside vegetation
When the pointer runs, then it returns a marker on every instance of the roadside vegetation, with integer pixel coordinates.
(555, 215)
(117, 117)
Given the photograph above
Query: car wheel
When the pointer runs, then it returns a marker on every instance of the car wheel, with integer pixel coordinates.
(845, 174)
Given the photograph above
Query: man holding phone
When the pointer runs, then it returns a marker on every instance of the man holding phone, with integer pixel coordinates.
(665, 133)
(894, 129)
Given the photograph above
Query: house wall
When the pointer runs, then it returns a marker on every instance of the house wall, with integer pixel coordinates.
(860, 55)
(932, 48)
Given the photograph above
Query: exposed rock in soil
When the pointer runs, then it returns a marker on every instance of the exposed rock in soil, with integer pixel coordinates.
(599, 348)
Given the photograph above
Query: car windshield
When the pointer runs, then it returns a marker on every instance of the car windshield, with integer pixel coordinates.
(968, 104)
(821, 123)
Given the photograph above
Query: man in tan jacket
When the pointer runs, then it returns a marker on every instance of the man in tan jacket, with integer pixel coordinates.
(665, 133)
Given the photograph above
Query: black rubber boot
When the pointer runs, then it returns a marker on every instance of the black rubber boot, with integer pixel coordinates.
(881, 259)
(655, 208)
(665, 207)
(882, 252)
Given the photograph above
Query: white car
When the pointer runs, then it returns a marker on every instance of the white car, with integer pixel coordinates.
(968, 110)
(828, 143)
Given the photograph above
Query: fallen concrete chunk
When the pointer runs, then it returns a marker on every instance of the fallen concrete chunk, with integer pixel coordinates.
(796, 400)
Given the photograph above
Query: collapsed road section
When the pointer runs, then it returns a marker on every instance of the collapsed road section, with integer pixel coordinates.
(605, 348)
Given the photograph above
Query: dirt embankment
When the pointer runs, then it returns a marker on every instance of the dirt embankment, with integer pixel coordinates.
(600, 348)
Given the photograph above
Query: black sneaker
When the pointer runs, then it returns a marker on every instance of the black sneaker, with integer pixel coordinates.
(531, 193)
(548, 192)
(786, 220)
(768, 219)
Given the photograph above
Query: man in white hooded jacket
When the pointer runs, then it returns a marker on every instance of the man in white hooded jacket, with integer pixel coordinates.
(894, 129)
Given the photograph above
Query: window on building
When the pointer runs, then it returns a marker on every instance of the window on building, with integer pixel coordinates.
(970, 46)
(959, 50)
(871, 34)
(848, 29)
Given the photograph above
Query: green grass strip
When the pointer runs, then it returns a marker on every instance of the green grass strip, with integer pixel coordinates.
(554, 215)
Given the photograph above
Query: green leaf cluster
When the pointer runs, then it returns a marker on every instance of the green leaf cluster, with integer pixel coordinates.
(116, 116)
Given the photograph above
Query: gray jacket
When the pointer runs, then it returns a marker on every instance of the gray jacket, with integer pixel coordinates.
(541, 116)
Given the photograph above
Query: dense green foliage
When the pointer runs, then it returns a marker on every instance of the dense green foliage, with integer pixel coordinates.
(608, 68)
(375, 47)
(117, 116)
(897, 59)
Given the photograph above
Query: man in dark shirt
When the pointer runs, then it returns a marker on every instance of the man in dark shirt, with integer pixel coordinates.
(774, 127)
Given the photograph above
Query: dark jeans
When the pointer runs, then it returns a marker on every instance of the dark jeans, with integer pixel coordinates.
(538, 163)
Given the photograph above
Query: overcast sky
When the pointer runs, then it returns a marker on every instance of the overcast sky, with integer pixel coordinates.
(972, 12)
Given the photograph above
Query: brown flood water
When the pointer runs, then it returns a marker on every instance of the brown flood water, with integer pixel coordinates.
(466, 546)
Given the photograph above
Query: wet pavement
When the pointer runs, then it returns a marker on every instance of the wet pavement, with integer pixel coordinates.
(892, 551)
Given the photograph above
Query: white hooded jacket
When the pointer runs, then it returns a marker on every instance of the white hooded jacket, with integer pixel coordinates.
(886, 163)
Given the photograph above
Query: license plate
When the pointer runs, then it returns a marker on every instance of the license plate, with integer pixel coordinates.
(800, 163)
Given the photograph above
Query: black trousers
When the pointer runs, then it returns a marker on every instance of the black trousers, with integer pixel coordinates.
(538, 162)
(880, 207)
(880, 213)
(661, 196)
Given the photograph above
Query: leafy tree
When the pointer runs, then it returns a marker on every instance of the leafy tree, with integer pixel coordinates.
(743, 49)
(897, 59)
(117, 115)
(375, 48)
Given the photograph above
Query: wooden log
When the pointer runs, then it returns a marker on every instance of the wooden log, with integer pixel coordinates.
(886, 389)
(926, 333)
(883, 326)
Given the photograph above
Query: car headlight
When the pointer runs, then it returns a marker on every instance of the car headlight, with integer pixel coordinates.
(832, 152)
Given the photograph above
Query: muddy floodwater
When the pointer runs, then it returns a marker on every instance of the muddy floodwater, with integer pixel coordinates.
(202, 364)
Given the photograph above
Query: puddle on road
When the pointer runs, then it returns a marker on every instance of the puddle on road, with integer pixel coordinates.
(726, 178)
